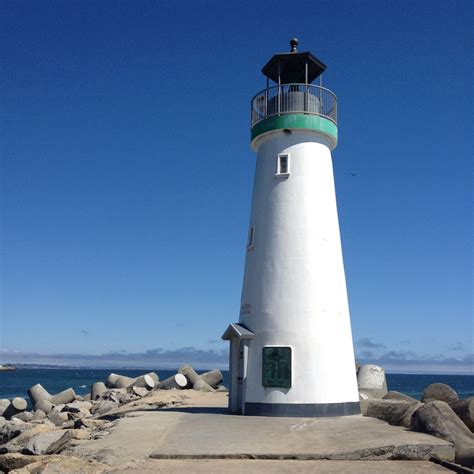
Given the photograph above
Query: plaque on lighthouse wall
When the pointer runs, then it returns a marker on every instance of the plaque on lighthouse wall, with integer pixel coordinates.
(276, 367)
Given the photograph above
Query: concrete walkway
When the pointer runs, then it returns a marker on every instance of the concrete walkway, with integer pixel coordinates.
(205, 433)
(202, 438)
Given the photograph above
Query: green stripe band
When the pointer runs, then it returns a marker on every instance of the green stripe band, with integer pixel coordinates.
(314, 123)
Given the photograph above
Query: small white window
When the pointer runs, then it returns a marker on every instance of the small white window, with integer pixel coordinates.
(283, 165)
(251, 237)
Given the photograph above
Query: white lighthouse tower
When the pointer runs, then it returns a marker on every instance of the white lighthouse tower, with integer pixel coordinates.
(291, 353)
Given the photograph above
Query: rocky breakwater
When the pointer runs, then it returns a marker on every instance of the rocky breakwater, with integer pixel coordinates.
(440, 412)
(61, 421)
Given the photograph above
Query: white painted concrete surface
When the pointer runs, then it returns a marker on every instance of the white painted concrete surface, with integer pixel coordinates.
(294, 291)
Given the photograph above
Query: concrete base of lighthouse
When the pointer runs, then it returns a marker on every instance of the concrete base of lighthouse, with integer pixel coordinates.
(302, 409)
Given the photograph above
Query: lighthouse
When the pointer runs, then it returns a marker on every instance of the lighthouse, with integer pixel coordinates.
(291, 353)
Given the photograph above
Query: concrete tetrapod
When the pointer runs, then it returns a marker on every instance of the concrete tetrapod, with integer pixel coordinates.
(190, 374)
(438, 419)
(146, 381)
(4, 404)
(111, 379)
(44, 405)
(395, 412)
(66, 396)
(177, 381)
(97, 389)
(371, 378)
(202, 386)
(124, 382)
(38, 392)
(17, 405)
(394, 395)
(439, 391)
(213, 378)
(465, 410)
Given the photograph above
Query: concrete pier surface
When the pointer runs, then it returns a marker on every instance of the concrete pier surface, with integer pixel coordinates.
(201, 432)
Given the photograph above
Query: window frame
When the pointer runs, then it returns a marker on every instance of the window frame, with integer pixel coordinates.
(251, 237)
(279, 173)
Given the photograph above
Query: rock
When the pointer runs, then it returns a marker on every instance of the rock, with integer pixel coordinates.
(66, 396)
(38, 392)
(39, 415)
(7, 432)
(57, 417)
(48, 443)
(12, 461)
(86, 397)
(24, 416)
(44, 405)
(371, 379)
(113, 394)
(393, 395)
(89, 423)
(97, 389)
(75, 413)
(17, 443)
(61, 464)
(4, 404)
(104, 406)
(202, 386)
(212, 378)
(439, 391)
(77, 405)
(465, 410)
(438, 419)
(3, 422)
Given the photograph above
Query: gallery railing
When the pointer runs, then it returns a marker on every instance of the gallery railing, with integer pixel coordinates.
(294, 99)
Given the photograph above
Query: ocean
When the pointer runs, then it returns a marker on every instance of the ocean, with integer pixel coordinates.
(16, 383)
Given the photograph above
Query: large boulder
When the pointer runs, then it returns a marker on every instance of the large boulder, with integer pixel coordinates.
(438, 419)
(48, 443)
(20, 438)
(57, 417)
(12, 461)
(104, 406)
(61, 464)
(25, 416)
(440, 392)
(371, 379)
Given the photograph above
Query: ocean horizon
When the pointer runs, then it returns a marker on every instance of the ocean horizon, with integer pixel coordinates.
(55, 379)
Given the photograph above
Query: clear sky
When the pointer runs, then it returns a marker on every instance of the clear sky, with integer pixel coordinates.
(127, 174)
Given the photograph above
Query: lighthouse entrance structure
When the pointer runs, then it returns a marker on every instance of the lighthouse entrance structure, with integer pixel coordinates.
(291, 351)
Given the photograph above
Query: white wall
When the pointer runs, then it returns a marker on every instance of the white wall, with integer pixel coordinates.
(294, 276)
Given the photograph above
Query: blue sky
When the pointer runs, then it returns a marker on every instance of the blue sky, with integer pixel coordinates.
(127, 174)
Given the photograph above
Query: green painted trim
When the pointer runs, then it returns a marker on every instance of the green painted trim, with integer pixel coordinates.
(296, 121)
